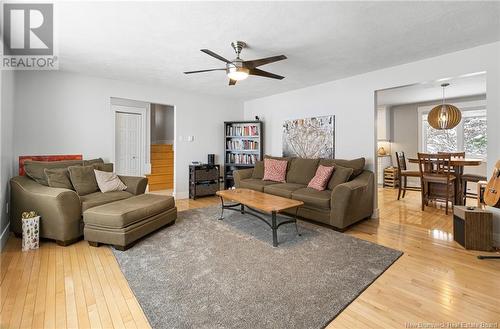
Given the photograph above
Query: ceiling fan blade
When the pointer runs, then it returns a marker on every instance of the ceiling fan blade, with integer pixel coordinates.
(219, 57)
(200, 71)
(232, 82)
(262, 73)
(263, 61)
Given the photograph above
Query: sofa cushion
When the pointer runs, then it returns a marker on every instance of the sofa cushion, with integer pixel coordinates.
(98, 198)
(313, 198)
(92, 161)
(320, 180)
(301, 171)
(123, 213)
(284, 189)
(340, 176)
(107, 167)
(255, 184)
(358, 165)
(108, 181)
(275, 170)
(83, 179)
(58, 177)
(258, 170)
(276, 158)
(36, 169)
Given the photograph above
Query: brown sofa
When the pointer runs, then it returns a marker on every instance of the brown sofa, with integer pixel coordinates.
(348, 199)
(61, 209)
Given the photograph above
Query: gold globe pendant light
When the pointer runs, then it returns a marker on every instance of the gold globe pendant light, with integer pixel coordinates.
(444, 116)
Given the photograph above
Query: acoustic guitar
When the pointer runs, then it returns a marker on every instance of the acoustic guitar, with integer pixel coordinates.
(492, 191)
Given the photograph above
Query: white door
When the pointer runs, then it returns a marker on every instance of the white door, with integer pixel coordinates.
(128, 144)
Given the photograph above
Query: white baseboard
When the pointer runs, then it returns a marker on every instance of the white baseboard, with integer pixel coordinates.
(5, 236)
(375, 213)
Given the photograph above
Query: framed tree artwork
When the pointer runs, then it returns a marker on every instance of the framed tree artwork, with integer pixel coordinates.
(310, 137)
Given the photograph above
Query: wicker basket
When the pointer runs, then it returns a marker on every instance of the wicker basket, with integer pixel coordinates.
(206, 189)
(207, 174)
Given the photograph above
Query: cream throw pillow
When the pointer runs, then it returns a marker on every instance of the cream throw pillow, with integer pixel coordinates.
(108, 181)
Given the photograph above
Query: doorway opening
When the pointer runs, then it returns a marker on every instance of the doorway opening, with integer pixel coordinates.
(145, 142)
(402, 126)
(162, 139)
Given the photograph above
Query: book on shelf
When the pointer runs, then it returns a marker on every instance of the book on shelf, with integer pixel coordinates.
(242, 144)
(236, 158)
(242, 130)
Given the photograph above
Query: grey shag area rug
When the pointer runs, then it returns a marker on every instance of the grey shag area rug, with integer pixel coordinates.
(206, 273)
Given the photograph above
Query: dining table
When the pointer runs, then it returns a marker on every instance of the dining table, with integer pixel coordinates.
(458, 165)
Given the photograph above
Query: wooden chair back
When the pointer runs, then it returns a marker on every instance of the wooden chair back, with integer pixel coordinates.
(434, 164)
(436, 169)
(460, 155)
(400, 158)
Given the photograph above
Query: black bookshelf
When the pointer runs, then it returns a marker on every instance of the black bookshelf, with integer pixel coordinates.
(243, 146)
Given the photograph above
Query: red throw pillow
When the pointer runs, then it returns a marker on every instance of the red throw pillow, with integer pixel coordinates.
(320, 180)
(275, 170)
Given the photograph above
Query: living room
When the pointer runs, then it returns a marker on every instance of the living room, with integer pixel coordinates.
(349, 256)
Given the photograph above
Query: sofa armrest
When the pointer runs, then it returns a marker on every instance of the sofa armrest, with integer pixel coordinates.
(135, 184)
(60, 209)
(352, 201)
(238, 175)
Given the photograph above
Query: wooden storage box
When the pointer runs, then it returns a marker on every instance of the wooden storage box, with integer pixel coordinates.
(473, 228)
(391, 178)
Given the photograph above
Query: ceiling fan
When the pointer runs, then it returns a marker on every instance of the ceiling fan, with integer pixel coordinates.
(238, 69)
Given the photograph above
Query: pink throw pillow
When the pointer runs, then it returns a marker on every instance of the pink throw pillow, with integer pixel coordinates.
(320, 180)
(275, 170)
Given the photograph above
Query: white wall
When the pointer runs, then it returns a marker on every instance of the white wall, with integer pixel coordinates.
(6, 149)
(352, 101)
(61, 113)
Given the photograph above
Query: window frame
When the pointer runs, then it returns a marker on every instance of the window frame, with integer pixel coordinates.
(464, 107)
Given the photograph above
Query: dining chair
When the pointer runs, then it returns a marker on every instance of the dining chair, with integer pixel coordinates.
(403, 175)
(471, 178)
(460, 155)
(466, 178)
(438, 182)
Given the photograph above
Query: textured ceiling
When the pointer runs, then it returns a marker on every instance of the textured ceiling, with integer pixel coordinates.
(154, 42)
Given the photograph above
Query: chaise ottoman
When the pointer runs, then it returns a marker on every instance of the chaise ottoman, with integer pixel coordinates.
(123, 222)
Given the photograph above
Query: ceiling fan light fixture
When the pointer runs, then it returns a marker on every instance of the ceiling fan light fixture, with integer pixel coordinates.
(237, 73)
(239, 69)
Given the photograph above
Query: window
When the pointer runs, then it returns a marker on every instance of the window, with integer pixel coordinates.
(474, 134)
(470, 134)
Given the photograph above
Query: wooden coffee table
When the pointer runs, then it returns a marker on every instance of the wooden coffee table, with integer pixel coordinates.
(258, 203)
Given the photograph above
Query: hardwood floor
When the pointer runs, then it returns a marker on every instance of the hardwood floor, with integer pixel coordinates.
(434, 281)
